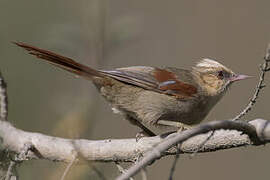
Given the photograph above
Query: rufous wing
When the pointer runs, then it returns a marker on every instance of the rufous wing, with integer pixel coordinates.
(155, 79)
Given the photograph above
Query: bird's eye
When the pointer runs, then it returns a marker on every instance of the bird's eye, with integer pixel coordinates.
(220, 74)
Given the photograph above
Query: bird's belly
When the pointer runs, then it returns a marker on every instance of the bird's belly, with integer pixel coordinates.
(188, 112)
(149, 107)
(152, 107)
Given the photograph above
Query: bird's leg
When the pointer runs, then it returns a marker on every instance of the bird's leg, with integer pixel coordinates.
(179, 125)
(145, 131)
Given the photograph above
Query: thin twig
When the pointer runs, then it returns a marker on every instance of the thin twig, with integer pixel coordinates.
(3, 99)
(144, 174)
(69, 166)
(176, 158)
(119, 167)
(19, 158)
(263, 68)
(203, 143)
(90, 164)
(122, 170)
(10, 167)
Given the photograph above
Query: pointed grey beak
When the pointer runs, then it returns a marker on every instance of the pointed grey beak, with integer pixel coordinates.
(239, 77)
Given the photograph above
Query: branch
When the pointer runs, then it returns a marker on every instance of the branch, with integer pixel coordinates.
(69, 166)
(127, 150)
(263, 68)
(7, 166)
(257, 134)
(176, 158)
(9, 171)
(121, 169)
(3, 99)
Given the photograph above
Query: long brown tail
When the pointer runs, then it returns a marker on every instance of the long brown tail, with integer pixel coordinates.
(61, 61)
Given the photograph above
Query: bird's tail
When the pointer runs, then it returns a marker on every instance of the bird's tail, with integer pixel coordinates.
(61, 61)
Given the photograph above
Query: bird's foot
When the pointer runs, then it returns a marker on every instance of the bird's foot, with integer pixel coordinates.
(140, 135)
(179, 125)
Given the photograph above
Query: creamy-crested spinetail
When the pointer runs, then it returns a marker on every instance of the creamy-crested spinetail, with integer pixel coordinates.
(154, 97)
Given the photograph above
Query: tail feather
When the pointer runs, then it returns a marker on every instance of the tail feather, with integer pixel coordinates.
(61, 61)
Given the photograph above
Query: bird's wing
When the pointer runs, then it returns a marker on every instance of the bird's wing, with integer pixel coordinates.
(155, 79)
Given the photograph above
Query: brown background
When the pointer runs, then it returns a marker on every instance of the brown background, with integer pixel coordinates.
(108, 34)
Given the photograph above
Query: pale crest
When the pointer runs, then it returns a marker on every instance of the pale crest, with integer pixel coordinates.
(209, 63)
(206, 65)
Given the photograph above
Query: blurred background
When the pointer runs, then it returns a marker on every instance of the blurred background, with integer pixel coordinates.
(108, 34)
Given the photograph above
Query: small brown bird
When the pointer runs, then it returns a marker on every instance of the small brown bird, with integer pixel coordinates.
(150, 97)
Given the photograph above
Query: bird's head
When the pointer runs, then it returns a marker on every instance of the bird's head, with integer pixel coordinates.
(214, 78)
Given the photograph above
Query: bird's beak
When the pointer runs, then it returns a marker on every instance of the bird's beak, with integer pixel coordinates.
(238, 77)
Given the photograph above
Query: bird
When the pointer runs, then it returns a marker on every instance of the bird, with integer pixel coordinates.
(152, 97)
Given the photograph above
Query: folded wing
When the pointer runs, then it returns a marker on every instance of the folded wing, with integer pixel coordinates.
(160, 80)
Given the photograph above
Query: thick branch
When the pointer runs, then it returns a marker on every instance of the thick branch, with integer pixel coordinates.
(60, 149)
